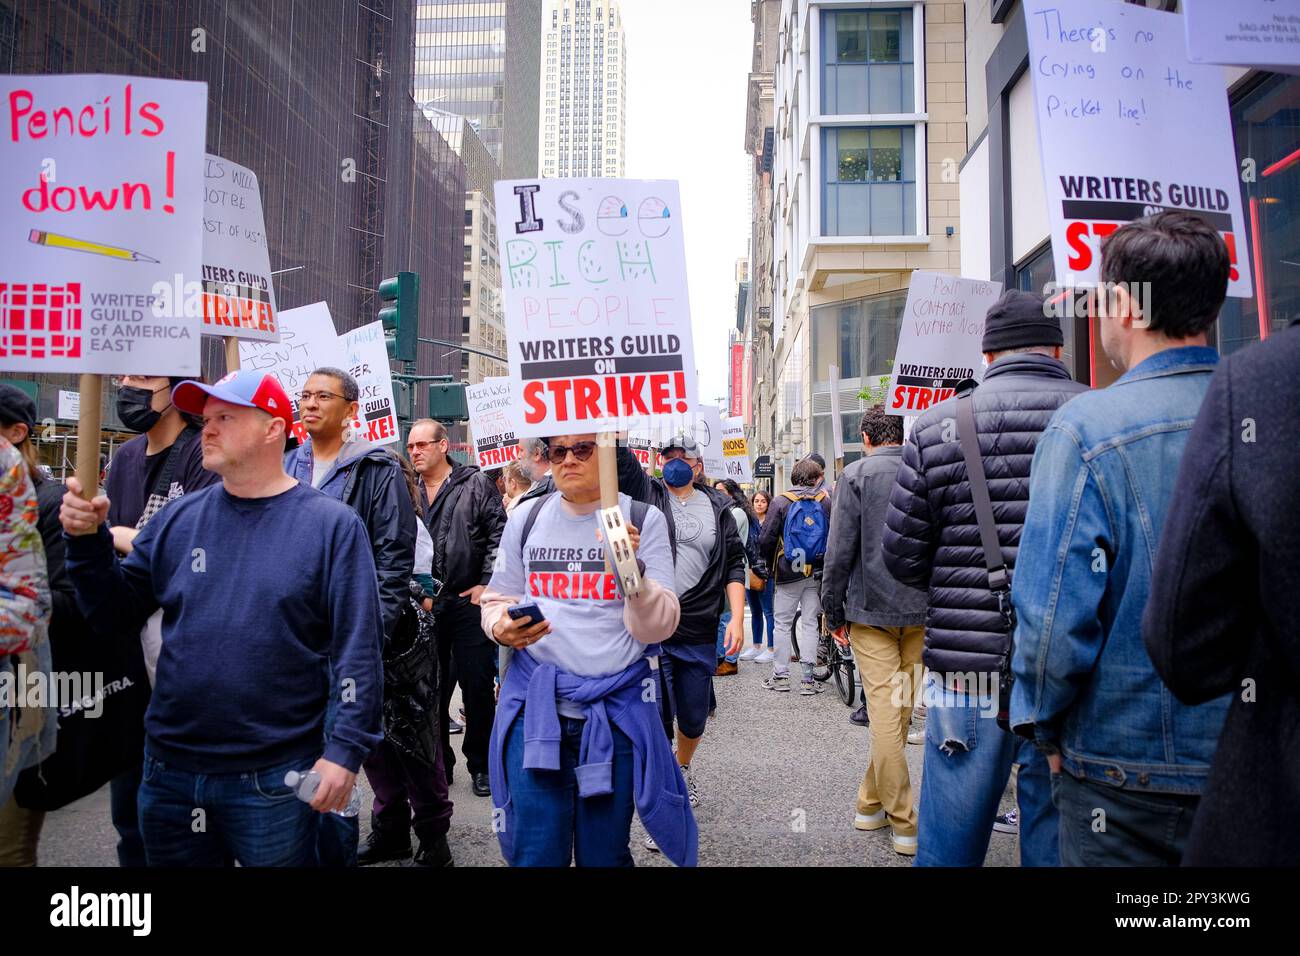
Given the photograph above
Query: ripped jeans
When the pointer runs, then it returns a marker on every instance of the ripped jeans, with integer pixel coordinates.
(968, 760)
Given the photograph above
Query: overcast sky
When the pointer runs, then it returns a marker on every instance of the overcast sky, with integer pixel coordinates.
(687, 74)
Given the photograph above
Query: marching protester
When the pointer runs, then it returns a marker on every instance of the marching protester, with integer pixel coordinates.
(578, 744)
(1103, 480)
(465, 519)
(27, 730)
(249, 655)
(368, 480)
(759, 592)
(708, 569)
(536, 467)
(793, 545)
(882, 620)
(164, 462)
(931, 540)
(1221, 617)
(747, 527)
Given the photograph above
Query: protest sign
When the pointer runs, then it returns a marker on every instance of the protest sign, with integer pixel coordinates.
(596, 310)
(735, 451)
(238, 296)
(102, 215)
(939, 342)
(307, 342)
(366, 360)
(1262, 34)
(707, 428)
(491, 422)
(643, 442)
(1127, 127)
(69, 405)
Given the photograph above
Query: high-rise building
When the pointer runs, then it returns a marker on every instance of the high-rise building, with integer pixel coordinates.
(483, 313)
(583, 126)
(356, 185)
(480, 59)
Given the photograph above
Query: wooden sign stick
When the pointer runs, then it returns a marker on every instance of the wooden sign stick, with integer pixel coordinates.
(619, 556)
(92, 393)
(232, 354)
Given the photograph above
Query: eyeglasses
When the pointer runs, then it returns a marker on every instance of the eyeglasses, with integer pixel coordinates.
(319, 396)
(581, 451)
(422, 445)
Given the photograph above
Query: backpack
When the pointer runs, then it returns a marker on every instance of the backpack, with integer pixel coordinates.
(806, 529)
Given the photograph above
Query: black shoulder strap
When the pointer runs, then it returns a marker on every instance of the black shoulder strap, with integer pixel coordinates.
(999, 579)
(530, 519)
(163, 485)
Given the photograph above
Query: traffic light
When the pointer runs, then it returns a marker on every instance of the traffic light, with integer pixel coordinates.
(447, 402)
(400, 314)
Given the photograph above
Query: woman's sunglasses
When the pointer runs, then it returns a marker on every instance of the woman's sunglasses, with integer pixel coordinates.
(581, 451)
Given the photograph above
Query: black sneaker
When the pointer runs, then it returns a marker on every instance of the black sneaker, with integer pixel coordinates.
(480, 785)
(859, 717)
(435, 852)
(382, 848)
(1008, 822)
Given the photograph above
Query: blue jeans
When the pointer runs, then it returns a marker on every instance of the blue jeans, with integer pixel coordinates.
(968, 760)
(250, 817)
(125, 812)
(722, 638)
(554, 824)
(760, 611)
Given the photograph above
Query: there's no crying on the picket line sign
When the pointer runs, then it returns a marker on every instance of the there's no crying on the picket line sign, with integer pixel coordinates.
(599, 306)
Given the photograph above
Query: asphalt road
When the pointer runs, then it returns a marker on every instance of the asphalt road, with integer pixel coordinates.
(778, 776)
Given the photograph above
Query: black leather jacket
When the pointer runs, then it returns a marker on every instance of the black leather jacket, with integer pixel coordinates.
(465, 521)
(702, 605)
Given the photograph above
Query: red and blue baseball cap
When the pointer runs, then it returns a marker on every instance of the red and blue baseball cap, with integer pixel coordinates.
(247, 387)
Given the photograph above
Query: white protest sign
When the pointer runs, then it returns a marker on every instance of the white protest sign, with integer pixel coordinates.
(238, 295)
(1127, 126)
(69, 405)
(491, 421)
(596, 309)
(103, 215)
(1264, 34)
(366, 360)
(939, 342)
(307, 342)
(707, 429)
(837, 426)
(735, 451)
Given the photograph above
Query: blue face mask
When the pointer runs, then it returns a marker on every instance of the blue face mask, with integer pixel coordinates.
(678, 473)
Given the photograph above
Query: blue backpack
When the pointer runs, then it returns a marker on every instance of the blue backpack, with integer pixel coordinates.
(805, 531)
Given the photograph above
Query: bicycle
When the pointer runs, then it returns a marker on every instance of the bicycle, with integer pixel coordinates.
(833, 662)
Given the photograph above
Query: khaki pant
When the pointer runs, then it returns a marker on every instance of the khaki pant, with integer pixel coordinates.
(19, 831)
(882, 653)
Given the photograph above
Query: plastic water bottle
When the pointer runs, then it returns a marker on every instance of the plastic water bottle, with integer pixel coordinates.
(305, 785)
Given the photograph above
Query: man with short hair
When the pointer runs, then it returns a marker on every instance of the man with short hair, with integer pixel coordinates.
(709, 563)
(369, 480)
(465, 517)
(882, 619)
(537, 467)
(578, 744)
(932, 540)
(1103, 480)
(254, 637)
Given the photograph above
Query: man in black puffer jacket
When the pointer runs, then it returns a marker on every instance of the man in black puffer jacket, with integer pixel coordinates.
(931, 540)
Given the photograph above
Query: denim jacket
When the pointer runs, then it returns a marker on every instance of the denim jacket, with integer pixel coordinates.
(1100, 486)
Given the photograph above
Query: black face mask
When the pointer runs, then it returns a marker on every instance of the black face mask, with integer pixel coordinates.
(135, 409)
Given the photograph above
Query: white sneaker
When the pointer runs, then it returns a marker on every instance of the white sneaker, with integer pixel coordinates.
(651, 845)
(777, 683)
(916, 737)
(767, 657)
(692, 788)
(750, 653)
(904, 845)
(810, 688)
(874, 821)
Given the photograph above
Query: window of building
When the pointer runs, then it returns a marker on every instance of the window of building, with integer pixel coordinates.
(870, 181)
(465, 290)
(469, 217)
(868, 63)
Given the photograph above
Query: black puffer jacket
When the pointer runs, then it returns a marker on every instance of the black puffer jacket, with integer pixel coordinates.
(931, 538)
(702, 605)
(465, 521)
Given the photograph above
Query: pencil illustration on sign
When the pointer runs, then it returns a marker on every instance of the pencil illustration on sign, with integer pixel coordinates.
(55, 241)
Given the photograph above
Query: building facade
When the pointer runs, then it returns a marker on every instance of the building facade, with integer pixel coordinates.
(869, 129)
(583, 79)
(479, 59)
(1004, 206)
(315, 99)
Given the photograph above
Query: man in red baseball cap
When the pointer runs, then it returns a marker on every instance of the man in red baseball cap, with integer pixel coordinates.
(251, 642)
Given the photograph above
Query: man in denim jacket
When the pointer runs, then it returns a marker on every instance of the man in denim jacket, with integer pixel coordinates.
(1134, 757)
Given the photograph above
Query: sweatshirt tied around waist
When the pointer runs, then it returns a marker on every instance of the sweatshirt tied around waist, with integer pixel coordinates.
(617, 700)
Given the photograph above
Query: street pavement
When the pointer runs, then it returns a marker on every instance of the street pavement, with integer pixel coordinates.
(778, 776)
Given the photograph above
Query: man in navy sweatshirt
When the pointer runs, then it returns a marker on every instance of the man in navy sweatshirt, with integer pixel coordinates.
(265, 584)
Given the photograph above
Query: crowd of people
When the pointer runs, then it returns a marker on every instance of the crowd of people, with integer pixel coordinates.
(1086, 592)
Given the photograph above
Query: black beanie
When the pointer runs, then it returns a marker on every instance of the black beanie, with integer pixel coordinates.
(1017, 320)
